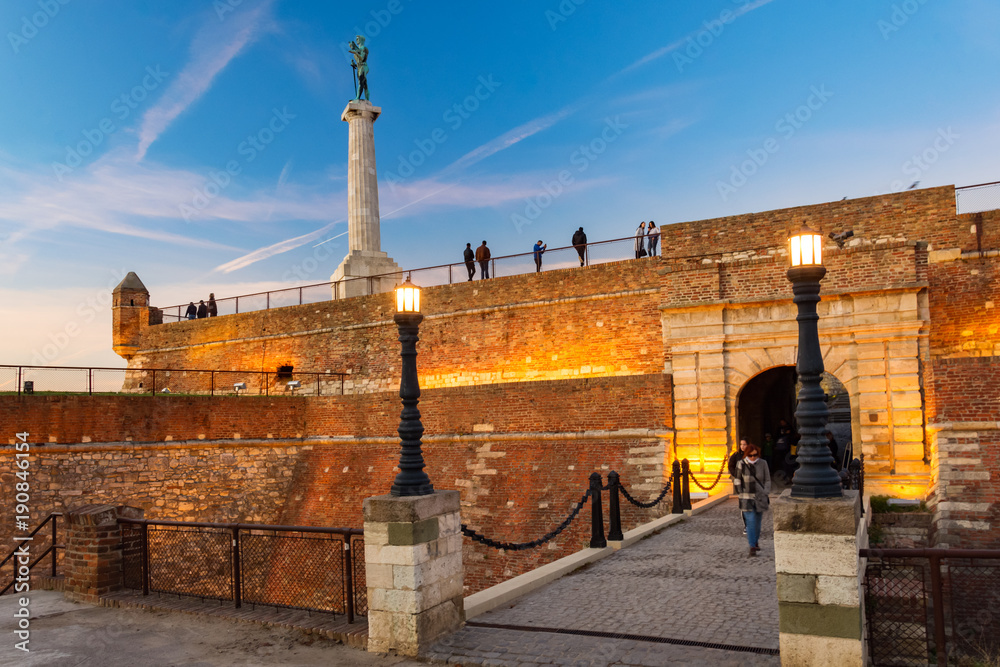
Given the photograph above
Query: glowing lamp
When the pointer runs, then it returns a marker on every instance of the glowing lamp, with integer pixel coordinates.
(806, 248)
(408, 298)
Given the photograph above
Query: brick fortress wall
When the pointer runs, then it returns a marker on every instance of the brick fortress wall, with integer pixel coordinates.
(520, 454)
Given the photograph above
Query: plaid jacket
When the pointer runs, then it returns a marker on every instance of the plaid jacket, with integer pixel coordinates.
(752, 484)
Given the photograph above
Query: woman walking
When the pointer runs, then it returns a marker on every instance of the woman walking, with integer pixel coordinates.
(753, 482)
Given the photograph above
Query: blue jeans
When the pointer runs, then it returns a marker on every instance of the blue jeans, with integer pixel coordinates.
(753, 526)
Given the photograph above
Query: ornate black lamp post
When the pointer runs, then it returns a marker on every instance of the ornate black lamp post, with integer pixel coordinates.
(815, 477)
(411, 480)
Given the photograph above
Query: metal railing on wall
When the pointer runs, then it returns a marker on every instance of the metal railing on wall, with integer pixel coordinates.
(598, 252)
(91, 380)
(293, 567)
(977, 198)
(927, 605)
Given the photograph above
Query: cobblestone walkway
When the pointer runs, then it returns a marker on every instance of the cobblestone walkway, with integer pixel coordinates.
(692, 582)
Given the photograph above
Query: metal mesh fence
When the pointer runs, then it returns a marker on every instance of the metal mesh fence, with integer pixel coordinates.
(195, 561)
(978, 198)
(360, 582)
(294, 570)
(297, 569)
(899, 622)
(131, 556)
(973, 593)
(8, 379)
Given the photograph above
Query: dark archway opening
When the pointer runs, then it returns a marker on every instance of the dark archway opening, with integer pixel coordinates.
(764, 401)
(770, 397)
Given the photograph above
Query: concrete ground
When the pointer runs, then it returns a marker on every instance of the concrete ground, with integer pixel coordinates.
(68, 634)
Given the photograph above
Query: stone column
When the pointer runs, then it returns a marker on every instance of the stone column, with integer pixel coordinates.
(92, 559)
(816, 544)
(413, 561)
(365, 256)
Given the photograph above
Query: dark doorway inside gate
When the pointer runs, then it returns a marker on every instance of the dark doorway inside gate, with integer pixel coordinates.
(769, 397)
(764, 401)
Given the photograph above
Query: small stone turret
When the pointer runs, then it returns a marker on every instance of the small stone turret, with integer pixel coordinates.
(130, 315)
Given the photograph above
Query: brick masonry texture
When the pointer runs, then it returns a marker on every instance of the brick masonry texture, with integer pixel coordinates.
(518, 479)
(513, 370)
(602, 321)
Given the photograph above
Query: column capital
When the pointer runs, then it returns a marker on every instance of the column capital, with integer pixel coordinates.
(360, 109)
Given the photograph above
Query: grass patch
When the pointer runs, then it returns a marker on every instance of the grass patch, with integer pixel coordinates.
(880, 505)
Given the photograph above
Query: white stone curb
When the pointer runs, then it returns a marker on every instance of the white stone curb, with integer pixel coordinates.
(496, 596)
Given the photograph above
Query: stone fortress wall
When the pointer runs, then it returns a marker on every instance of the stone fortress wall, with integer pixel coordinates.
(627, 365)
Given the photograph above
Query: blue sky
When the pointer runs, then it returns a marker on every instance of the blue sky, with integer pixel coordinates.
(120, 119)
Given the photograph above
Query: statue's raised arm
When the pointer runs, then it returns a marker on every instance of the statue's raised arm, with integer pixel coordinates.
(360, 65)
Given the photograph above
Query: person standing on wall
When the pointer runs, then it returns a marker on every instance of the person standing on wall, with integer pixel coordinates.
(470, 263)
(202, 309)
(483, 257)
(213, 308)
(538, 250)
(192, 311)
(580, 243)
(640, 240)
(752, 484)
(653, 238)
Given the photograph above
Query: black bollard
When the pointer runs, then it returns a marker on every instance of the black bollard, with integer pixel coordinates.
(685, 486)
(677, 505)
(614, 509)
(597, 540)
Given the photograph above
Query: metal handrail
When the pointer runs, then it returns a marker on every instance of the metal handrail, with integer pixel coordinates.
(380, 276)
(244, 526)
(53, 517)
(315, 375)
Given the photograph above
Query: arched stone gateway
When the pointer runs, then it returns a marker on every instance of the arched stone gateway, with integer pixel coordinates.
(770, 398)
(872, 343)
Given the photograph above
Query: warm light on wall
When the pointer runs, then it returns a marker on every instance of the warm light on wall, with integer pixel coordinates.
(806, 248)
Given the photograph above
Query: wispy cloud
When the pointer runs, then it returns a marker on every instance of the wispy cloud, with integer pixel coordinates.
(509, 138)
(211, 51)
(673, 46)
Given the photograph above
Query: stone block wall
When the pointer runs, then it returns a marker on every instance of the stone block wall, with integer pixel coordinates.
(520, 455)
(964, 426)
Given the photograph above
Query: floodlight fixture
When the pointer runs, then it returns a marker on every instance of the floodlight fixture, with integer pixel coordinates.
(240, 386)
(293, 385)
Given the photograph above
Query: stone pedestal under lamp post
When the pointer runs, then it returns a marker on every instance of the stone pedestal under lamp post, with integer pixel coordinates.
(413, 543)
(817, 526)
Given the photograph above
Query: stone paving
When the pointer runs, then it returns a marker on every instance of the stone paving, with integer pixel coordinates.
(693, 581)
